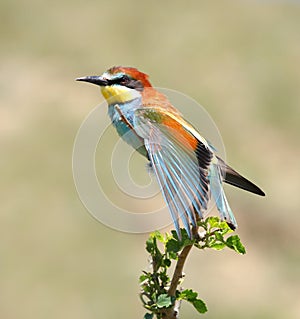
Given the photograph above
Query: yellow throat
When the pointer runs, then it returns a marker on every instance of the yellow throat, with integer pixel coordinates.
(119, 94)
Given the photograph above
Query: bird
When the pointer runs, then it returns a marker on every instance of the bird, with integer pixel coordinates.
(188, 170)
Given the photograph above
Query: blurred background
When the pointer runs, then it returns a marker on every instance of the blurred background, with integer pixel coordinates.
(240, 59)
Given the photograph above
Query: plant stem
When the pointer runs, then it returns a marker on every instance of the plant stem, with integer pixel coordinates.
(178, 270)
(173, 313)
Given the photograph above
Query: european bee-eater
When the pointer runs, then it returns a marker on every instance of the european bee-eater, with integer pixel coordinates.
(185, 164)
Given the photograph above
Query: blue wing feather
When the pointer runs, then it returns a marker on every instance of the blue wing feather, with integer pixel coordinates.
(176, 166)
(187, 176)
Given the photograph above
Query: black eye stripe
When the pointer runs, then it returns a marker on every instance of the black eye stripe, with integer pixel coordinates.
(119, 80)
(125, 80)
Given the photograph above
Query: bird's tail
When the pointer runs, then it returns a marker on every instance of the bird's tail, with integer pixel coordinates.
(219, 197)
(234, 178)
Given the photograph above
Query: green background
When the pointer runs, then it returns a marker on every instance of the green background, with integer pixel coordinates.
(240, 59)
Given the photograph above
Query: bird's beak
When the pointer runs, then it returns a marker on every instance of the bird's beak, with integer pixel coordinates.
(95, 79)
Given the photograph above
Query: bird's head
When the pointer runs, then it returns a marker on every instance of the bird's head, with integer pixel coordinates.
(120, 84)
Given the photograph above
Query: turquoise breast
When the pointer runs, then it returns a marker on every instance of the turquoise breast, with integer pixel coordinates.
(123, 129)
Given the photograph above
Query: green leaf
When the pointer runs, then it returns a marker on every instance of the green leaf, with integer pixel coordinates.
(218, 246)
(185, 239)
(158, 236)
(214, 222)
(200, 305)
(188, 295)
(174, 235)
(167, 262)
(173, 255)
(148, 315)
(157, 258)
(164, 301)
(219, 236)
(150, 245)
(164, 278)
(191, 296)
(173, 246)
(224, 226)
(143, 278)
(234, 243)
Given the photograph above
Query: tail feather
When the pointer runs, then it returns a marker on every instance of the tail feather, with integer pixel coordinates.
(219, 197)
(232, 177)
